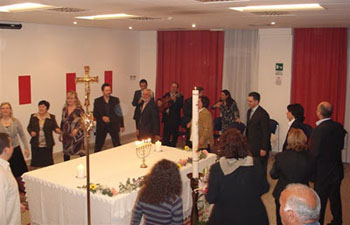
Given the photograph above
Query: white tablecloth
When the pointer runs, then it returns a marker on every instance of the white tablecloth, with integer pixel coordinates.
(54, 198)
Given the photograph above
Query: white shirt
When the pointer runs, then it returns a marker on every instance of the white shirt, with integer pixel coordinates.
(320, 121)
(10, 212)
(290, 123)
(253, 111)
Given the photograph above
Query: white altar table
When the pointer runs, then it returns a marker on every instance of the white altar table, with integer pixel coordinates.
(54, 198)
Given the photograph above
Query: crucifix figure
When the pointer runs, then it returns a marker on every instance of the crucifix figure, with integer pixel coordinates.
(88, 124)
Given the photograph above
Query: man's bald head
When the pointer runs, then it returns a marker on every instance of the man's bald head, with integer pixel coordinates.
(299, 205)
(324, 110)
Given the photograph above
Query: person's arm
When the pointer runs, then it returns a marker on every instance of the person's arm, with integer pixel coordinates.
(275, 171)
(97, 111)
(265, 127)
(119, 113)
(30, 127)
(135, 100)
(136, 214)
(177, 212)
(235, 110)
(3, 202)
(155, 119)
(22, 137)
(316, 142)
(213, 186)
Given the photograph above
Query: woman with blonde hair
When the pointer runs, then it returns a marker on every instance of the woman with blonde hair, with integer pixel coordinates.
(291, 166)
(72, 135)
(159, 200)
(13, 127)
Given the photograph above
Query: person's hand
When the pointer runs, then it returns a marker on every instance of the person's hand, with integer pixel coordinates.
(58, 131)
(140, 100)
(262, 152)
(238, 120)
(218, 104)
(159, 103)
(26, 153)
(60, 138)
(188, 125)
(33, 133)
(201, 141)
(74, 132)
(156, 138)
(105, 119)
(173, 97)
(23, 208)
(137, 132)
(122, 129)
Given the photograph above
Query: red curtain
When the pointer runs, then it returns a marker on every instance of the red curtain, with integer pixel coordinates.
(190, 58)
(319, 70)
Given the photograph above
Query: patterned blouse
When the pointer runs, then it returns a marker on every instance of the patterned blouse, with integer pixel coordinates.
(229, 115)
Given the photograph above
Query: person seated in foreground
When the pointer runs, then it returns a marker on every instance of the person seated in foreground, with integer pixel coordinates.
(299, 205)
(159, 200)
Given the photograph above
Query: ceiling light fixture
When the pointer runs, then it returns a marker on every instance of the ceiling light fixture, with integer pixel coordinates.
(105, 16)
(193, 25)
(28, 6)
(130, 28)
(224, 1)
(286, 7)
(75, 22)
(273, 23)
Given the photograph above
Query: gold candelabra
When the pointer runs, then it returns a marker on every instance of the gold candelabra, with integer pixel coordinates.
(143, 149)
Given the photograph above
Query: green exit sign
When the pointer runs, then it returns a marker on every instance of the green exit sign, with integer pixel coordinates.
(279, 67)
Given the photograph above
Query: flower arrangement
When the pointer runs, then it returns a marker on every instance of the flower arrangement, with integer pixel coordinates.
(183, 162)
(129, 186)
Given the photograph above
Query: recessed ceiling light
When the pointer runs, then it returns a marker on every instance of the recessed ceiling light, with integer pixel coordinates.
(28, 6)
(75, 22)
(273, 23)
(105, 16)
(193, 25)
(286, 7)
(130, 28)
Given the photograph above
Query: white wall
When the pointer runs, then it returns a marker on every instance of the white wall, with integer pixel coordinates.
(275, 46)
(48, 52)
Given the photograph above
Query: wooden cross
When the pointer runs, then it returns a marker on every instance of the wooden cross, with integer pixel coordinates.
(86, 80)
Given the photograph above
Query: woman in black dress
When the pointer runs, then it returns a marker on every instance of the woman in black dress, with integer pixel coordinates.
(40, 127)
(291, 166)
(235, 184)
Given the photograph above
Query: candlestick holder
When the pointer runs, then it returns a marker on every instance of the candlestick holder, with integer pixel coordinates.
(143, 150)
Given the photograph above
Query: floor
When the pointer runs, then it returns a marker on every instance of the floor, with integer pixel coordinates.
(267, 198)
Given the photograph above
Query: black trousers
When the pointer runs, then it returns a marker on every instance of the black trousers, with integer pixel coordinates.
(263, 161)
(170, 134)
(331, 191)
(278, 217)
(101, 133)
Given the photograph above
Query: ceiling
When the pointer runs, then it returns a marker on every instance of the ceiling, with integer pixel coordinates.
(180, 14)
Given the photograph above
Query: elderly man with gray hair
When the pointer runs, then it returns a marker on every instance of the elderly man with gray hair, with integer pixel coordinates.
(299, 205)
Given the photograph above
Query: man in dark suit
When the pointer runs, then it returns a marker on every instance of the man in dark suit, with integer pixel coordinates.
(149, 117)
(188, 115)
(171, 105)
(327, 142)
(258, 130)
(137, 101)
(109, 118)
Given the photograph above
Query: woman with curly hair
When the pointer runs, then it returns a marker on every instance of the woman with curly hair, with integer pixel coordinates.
(236, 184)
(159, 199)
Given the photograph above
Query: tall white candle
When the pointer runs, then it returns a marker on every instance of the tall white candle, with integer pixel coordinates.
(195, 139)
(158, 146)
(80, 171)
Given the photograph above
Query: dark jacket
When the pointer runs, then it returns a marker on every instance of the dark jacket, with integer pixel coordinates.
(237, 196)
(291, 167)
(114, 113)
(327, 142)
(258, 131)
(149, 120)
(136, 104)
(49, 126)
(172, 115)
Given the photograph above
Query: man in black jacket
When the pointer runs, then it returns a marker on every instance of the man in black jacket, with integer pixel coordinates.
(327, 142)
(149, 117)
(137, 101)
(258, 130)
(109, 118)
(171, 104)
